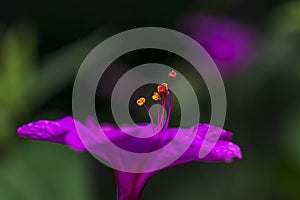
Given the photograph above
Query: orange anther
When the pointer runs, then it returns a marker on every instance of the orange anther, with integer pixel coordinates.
(156, 96)
(140, 101)
(163, 89)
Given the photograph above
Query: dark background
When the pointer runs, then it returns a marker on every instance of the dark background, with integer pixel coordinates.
(42, 45)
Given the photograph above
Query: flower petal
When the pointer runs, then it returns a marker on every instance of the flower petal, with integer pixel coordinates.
(218, 150)
(223, 151)
(61, 131)
(214, 140)
(214, 133)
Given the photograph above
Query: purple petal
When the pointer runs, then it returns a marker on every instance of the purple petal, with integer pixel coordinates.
(219, 149)
(223, 151)
(61, 131)
(215, 133)
(213, 139)
(216, 141)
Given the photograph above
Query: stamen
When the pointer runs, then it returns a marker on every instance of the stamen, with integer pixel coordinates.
(166, 85)
(158, 120)
(156, 96)
(163, 89)
(164, 101)
(151, 119)
(141, 101)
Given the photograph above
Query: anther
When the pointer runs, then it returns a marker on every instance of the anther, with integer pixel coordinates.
(163, 89)
(156, 96)
(141, 101)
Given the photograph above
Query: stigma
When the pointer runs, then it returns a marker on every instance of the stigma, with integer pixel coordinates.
(172, 74)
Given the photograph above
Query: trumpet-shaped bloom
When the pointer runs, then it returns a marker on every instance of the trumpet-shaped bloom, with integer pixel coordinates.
(130, 185)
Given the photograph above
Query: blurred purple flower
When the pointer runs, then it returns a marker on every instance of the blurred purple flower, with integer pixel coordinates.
(231, 44)
(130, 185)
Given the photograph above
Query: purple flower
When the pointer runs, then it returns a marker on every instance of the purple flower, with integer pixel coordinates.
(231, 44)
(130, 185)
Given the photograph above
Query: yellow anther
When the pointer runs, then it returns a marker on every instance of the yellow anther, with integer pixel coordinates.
(156, 96)
(172, 74)
(163, 89)
(140, 101)
(143, 99)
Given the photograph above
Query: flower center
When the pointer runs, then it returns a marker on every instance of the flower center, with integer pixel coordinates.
(164, 95)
